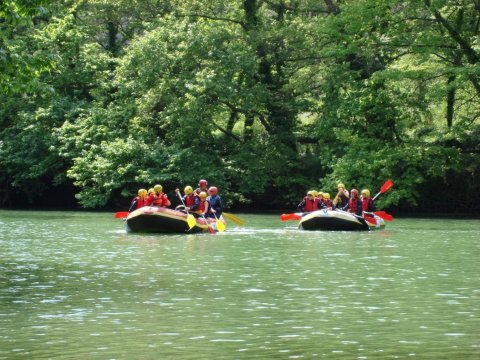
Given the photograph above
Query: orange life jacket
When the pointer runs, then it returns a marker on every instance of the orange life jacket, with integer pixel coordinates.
(160, 200)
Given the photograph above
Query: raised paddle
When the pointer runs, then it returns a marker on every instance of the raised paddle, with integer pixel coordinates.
(288, 217)
(234, 218)
(385, 187)
(121, 214)
(190, 218)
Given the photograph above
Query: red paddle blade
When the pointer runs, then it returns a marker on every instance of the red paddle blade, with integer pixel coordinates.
(287, 217)
(384, 215)
(370, 220)
(385, 187)
(211, 231)
(121, 214)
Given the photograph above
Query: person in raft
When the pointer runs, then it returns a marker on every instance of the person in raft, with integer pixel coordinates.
(204, 203)
(191, 200)
(150, 194)
(342, 197)
(139, 201)
(319, 198)
(202, 186)
(326, 203)
(216, 204)
(309, 203)
(354, 204)
(368, 204)
(159, 198)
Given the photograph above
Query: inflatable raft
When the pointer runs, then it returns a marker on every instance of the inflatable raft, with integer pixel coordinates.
(152, 219)
(337, 220)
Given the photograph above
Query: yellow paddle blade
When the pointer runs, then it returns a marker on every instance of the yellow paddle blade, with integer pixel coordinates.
(234, 218)
(220, 225)
(191, 221)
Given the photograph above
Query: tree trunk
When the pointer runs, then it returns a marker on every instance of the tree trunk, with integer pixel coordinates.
(450, 100)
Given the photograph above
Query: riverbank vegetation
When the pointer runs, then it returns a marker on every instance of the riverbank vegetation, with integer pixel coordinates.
(264, 98)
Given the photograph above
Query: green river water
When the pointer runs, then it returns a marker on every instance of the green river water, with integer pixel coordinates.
(75, 285)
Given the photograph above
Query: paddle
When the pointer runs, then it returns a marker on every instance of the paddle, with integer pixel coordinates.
(370, 219)
(190, 218)
(288, 217)
(121, 214)
(234, 218)
(210, 229)
(220, 224)
(385, 187)
(384, 215)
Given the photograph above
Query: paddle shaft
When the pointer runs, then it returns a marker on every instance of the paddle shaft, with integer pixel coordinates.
(385, 187)
(188, 214)
(234, 218)
(210, 229)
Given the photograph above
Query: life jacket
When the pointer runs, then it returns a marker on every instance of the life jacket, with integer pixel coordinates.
(327, 203)
(149, 199)
(354, 205)
(367, 205)
(193, 202)
(141, 202)
(160, 200)
(216, 204)
(310, 205)
(203, 205)
(342, 200)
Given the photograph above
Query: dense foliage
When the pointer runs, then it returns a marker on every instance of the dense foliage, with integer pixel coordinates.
(264, 98)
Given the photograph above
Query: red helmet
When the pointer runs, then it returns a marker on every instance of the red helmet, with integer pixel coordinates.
(354, 193)
(213, 190)
(203, 183)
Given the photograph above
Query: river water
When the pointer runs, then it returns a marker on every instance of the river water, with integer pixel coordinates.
(75, 285)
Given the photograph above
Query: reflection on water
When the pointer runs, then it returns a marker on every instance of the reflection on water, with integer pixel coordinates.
(75, 285)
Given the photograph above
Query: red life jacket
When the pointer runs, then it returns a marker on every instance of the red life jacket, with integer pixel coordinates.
(141, 202)
(190, 200)
(353, 205)
(203, 205)
(149, 200)
(367, 205)
(310, 205)
(328, 203)
(160, 200)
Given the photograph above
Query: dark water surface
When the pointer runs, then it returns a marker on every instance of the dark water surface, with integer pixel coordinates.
(74, 285)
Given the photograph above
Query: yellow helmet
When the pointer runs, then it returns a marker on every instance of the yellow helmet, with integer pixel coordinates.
(321, 194)
(142, 192)
(151, 191)
(326, 195)
(188, 190)
(158, 189)
(366, 192)
(315, 193)
(203, 195)
(340, 185)
(311, 193)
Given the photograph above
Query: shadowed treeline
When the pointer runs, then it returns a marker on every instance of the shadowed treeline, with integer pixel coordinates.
(265, 99)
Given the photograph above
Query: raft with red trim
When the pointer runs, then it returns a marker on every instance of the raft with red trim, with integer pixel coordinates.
(337, 220)
(152, 219)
